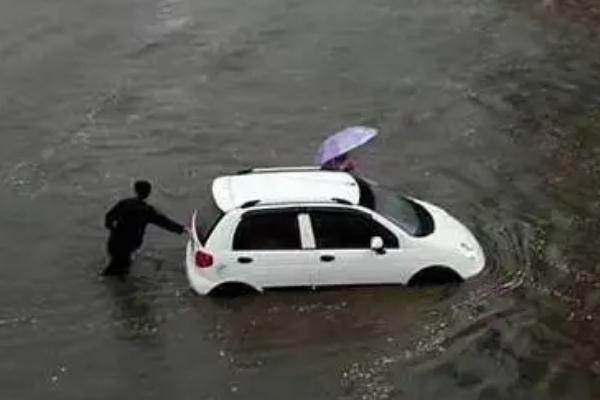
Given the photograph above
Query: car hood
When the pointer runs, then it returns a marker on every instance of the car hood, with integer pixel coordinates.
(452, 234)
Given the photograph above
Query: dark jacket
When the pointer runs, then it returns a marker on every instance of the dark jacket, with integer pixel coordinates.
(127, 222)
(367, 198)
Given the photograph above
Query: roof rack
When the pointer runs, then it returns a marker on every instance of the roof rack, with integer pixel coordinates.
(341, 201)
(253, 203)
(279, 169)
(250, 203)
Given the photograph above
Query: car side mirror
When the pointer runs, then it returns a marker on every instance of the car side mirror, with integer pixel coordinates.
(377, 245)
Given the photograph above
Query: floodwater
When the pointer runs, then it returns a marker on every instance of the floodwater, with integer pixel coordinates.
(489, 108)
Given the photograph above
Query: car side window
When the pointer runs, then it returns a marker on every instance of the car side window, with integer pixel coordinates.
(344, 229)
(268, 230)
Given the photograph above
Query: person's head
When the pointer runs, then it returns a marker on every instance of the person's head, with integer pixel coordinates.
(142, 189)
(340, 163)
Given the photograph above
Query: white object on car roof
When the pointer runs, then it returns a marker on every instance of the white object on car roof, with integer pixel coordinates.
(281, 186)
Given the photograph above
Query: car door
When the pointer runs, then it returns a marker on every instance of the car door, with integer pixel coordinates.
(267, 250)
(344, 257)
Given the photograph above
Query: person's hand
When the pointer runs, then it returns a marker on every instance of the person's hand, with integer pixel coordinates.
(349, 165)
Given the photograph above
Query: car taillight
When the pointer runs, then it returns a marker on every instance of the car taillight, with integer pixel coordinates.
(203, 259)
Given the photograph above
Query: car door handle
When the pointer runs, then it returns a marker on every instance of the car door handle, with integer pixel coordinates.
(327, 258)
(245, 260)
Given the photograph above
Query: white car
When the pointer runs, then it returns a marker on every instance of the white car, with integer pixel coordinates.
(307, 227)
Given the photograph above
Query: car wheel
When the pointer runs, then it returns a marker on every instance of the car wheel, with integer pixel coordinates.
(232, 289)
(437, 275)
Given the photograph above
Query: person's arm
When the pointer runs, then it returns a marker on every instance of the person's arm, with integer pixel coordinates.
(164, 222)
(111, 217)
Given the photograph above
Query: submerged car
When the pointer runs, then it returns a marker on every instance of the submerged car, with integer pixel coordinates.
(292, 227)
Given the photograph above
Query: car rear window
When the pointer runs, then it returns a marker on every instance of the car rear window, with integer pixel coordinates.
(268, 230)
(343, 229)
(208, 217)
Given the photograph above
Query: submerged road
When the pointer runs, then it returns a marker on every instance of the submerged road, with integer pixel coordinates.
(486, 107)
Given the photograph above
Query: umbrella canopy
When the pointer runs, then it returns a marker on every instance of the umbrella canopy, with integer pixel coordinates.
(344, 141)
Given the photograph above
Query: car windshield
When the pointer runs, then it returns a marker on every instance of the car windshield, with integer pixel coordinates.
(413, 218)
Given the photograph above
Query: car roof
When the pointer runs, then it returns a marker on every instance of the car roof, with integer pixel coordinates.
(286, 185)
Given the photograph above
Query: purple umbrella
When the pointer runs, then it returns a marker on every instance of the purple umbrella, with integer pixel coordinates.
(344, 141)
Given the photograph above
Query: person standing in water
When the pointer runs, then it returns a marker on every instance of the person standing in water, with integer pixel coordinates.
(127, 222)
(334, 155)
(345, 163)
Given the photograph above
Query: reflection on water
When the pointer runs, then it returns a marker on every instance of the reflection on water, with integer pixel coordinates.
(133, 314)
(325, 318)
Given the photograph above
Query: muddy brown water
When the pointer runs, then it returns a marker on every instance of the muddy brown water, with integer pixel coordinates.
(488, 108)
